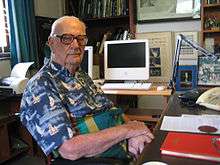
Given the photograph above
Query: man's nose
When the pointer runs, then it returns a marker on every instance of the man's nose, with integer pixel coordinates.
(74, 43)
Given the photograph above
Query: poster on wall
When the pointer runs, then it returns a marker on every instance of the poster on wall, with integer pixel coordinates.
(187, 52)
(160, 51)
(151, 10)
(209, 71)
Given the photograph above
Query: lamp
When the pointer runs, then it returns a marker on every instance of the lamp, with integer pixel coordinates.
(180, 38)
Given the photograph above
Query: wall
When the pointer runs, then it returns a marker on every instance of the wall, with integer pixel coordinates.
(193, 25)
(5, 68)
(155, 102)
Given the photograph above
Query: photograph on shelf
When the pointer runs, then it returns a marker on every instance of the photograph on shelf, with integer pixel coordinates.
(160, 51)
(208, 71)
(151, 10)
(186, 78)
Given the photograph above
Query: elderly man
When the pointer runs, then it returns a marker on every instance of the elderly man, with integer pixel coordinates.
(61, 93)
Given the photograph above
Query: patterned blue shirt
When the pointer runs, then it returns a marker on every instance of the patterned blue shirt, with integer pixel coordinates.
(51, 96)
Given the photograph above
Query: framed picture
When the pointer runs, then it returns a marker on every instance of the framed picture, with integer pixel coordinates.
(186, 77)
(151, 10)
(160, 51)
(209, 71)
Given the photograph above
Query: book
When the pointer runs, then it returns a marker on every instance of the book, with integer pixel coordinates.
(199, 146)
(105, 38)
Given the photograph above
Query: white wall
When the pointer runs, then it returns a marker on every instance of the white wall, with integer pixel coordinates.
(156, 102)
(5, 68)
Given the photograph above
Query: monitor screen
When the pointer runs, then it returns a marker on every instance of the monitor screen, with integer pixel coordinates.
(126, 60)
(87, 62)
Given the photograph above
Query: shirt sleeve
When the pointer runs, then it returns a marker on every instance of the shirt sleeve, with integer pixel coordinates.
(45, 116)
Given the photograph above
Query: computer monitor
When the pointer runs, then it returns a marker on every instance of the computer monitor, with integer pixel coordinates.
(126, 60)
(87, 62)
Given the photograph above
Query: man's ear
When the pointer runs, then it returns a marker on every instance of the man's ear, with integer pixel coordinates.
(50, 41)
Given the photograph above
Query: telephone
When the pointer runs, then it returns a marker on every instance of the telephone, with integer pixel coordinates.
(189, 98)
(210, 99)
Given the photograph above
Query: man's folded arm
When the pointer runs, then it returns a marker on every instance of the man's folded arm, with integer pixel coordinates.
(88, 145)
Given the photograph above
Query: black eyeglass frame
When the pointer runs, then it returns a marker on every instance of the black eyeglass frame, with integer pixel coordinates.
(81, 41)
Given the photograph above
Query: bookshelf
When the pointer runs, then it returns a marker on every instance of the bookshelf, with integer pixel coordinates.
(210, 24)
(100, 23)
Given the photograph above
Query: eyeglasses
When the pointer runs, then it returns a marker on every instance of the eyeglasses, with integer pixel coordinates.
(69, 38)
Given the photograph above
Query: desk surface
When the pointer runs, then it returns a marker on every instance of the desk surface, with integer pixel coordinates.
(152, 150)
(151, 92)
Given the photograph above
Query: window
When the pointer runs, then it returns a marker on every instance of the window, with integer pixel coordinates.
(4, 30)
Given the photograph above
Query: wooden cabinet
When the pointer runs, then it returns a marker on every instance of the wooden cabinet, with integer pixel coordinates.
(97, 26)
(210, 24)
(4, 139)
(14, 138)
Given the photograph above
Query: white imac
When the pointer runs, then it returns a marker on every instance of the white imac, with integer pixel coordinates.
(87, 62)
(126, 60)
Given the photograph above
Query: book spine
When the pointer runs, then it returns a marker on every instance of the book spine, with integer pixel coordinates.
(184, 155)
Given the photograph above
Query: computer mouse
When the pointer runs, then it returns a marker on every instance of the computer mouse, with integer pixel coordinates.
(161, 88)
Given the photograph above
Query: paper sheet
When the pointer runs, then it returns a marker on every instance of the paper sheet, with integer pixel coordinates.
(17, 81)
(190, 123)
(20, 69)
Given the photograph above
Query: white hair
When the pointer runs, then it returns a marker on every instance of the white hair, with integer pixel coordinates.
(64, 19)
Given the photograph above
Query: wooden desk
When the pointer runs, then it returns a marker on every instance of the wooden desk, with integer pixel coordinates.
(140, 114)
(151, 92)
(152, 151)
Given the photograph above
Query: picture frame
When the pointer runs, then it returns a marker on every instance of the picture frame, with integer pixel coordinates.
(186, 77)
(208, 71)
(152, 10)
(161, 53)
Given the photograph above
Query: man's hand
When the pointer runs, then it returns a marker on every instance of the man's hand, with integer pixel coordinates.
(136, 128)
(136, 144)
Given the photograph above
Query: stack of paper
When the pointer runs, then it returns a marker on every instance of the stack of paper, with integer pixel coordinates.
(190, 123)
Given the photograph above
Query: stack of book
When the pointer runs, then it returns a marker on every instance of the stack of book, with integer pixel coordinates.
(102, 8)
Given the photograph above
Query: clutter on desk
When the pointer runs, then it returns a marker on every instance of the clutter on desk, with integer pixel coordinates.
(209, 99)
(16, 83)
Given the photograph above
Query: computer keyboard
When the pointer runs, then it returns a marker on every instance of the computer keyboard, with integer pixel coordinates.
(128, 86)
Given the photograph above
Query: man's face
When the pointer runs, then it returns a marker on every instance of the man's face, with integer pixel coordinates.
(66, 45)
